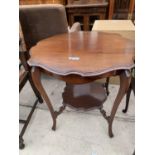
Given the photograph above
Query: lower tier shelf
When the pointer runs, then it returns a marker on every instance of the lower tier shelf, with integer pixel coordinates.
(84, 96)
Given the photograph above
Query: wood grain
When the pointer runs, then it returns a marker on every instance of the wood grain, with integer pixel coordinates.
(83, 53)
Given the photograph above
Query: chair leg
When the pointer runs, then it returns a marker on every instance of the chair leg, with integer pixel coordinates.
(21, 143)
(26, 122)
(127, 99)
(35, 89)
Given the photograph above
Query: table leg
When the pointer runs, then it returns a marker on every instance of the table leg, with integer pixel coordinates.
(34, 89)
(125, 79)
(107, 85)
(127, 100)
(36, 76)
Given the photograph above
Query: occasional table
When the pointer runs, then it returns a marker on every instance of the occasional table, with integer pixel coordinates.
(80, 58)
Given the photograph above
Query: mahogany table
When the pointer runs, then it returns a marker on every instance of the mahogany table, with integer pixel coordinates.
(80, 58)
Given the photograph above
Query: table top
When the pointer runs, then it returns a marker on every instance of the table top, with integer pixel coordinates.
(83, 53)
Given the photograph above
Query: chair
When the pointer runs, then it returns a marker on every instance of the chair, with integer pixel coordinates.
(24, 76)
(41, 21)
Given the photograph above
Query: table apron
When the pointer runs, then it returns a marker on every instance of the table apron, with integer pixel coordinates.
(77, 79)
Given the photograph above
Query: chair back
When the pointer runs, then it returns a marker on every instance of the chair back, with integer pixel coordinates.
(41, 21)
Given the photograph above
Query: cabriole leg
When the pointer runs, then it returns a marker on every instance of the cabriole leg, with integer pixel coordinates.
(125, 79)
(36, 76)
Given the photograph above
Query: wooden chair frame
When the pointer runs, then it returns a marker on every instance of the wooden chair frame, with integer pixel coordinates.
(24, 77)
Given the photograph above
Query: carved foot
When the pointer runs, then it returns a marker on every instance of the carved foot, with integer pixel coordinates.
(56, 113)
(103, 112)
(111, 135)
(124, 110)
(21, 143)
(54, 127)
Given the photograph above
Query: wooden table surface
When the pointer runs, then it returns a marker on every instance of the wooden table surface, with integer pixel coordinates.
(83, 53)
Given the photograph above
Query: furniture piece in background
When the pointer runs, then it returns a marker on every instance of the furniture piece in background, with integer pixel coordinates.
(86, 12)
(122, 9)
(28, 2)
(83, 58)
(35, 28)
(123, 27)
(24, 76)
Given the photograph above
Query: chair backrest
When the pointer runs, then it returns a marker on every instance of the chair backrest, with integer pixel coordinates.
(41, 21)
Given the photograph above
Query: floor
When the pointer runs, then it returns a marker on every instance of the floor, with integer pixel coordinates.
(78, 132)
